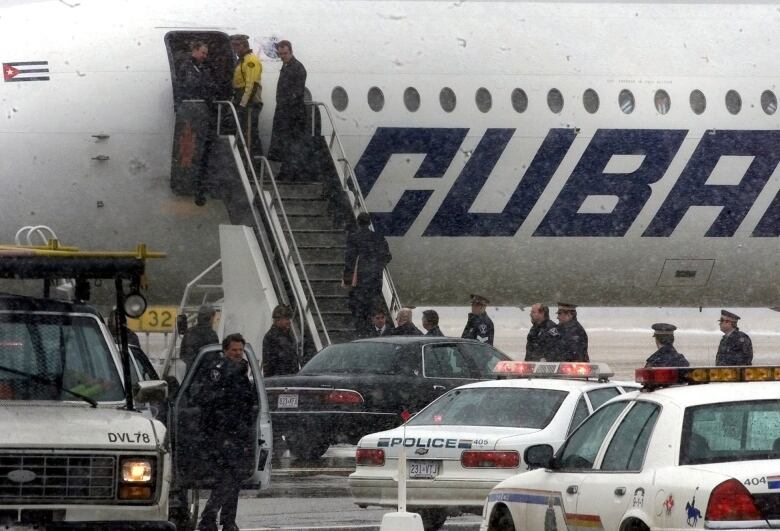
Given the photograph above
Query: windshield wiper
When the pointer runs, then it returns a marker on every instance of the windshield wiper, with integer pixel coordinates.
(91, 401)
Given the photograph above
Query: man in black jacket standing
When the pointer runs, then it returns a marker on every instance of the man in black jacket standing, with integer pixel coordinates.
(280, 348)
(571, 340)
(539, 343)
(735, 347)
(289, 127)
(405, 326)
(365, 259)
(430, 321)
(666, 355)
(479, 326)
(198, 336)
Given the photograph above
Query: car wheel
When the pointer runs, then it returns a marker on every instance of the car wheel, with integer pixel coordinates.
(305, 447)
(501, 520)
(432, 519)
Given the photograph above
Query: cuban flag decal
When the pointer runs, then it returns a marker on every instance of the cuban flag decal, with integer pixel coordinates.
(26, 71)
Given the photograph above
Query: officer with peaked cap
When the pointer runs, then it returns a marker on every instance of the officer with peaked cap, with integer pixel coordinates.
(479, 326)
(666, 355)
(571, 340)
(735, 347)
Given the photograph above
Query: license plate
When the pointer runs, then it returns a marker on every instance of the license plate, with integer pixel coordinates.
(423, 469)
(287, 401)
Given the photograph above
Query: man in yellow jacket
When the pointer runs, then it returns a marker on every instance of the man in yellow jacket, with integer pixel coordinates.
(247, 91)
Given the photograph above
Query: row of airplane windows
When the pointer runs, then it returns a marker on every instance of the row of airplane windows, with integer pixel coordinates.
(590, 100)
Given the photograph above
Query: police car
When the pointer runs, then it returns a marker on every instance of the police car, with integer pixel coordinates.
(670, 457)
(468, 440)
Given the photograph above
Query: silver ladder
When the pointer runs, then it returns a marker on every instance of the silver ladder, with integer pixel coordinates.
(351, 189)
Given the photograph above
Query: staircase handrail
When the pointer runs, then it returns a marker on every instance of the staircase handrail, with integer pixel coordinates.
(349, 179)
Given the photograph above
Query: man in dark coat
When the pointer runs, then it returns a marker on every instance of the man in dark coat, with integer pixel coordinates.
(405, 326)
(430, 322)
(666, 355)
(280, 349)
(289, 127)
(198, 336)
(228, 420)
(479, 326)
(571, 340)
(735, 347)
(539, 344)
(379, 321)
(365, 258)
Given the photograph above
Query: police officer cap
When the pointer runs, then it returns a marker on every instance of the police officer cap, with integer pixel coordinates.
(239, 37)
(566, 306)
(479, 299)
(663, 329)
(282, 312)
(730, 316)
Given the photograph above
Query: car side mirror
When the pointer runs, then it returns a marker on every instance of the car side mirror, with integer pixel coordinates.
(150, 391)
(181, 324)
(539, 456)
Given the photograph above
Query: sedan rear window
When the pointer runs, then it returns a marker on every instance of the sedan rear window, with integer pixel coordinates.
(355, 358)
(731, 431)
(493, 406)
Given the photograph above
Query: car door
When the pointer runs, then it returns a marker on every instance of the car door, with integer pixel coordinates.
(555, 501)
(619, 482)
(191, 447)
(483, 357)
(445, 367)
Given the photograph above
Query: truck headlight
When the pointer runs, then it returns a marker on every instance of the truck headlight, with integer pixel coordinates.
(137, 481)
(136, 471)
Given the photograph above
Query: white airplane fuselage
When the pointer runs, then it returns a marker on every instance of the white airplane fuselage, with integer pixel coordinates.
(522, 201)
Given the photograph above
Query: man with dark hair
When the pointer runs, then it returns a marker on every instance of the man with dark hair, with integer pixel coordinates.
(365, 258)
(280, 348)
(479, 326)
(539, 343)
(405, 326)
(666, 355)
(247, 91)
(228, 421)
(571, 340)
(289, 127)
(379, 320)
(735, 347)
(430, 321)
(198, 336)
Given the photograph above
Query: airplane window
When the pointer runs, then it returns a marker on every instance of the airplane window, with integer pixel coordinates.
(626, 101)
(555, 100)
(590, 99)
(447, 99)
(484, 99)
(339, 98)
(412, 99)
(376, 99)
(662, 101)
(519, 100)
(769, 102)
(733, 102)
(698, 101)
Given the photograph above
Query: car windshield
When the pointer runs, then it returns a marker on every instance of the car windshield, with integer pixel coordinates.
(365, 357)
(493, 406)
(53, 357)
(731, 431)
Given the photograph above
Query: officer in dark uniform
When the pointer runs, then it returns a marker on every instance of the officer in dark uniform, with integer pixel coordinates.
(666, 355)
(571, 340)
(479, 326)
(430, 321)
(280, 348)
(539, 344)
(735, 347)
(228, 421)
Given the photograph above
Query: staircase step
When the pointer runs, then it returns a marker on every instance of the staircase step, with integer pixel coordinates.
(325, 238)
(338, 320)
(306, 221)
(327, 288)
(321, 254)
(317, 271)
(300, 190)
(333, 303)
(341, 335)
(309, 207)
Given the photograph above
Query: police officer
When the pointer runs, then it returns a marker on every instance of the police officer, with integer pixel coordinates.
(479, 326)
(247, 91)
(539, 343)
(666, 355)
(571, 340)
(227, 405)
(735, 346)
(430, 321)
(280, 348)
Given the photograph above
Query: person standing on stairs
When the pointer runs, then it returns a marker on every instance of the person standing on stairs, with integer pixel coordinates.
(289, 127)
(247, 92)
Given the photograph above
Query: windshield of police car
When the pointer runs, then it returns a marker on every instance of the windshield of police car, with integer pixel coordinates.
(493, 406)
(68, 351)
(355, 358)
(735, 431)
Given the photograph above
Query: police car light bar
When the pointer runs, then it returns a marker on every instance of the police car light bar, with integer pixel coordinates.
(664, 376)
(527, 369)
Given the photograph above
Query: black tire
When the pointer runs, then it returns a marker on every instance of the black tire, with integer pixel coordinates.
(432, 519)
(501, 520)
(308, 448)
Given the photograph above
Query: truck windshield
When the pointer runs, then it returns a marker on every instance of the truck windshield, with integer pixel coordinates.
(69, 351)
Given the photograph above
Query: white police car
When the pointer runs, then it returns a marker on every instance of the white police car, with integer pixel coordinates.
(471, 438)
(679, 457)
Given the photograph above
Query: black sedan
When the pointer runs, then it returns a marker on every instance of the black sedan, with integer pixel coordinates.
(352, 389)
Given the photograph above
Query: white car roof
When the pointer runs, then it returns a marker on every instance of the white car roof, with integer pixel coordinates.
(561, 384)
(710, 393)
